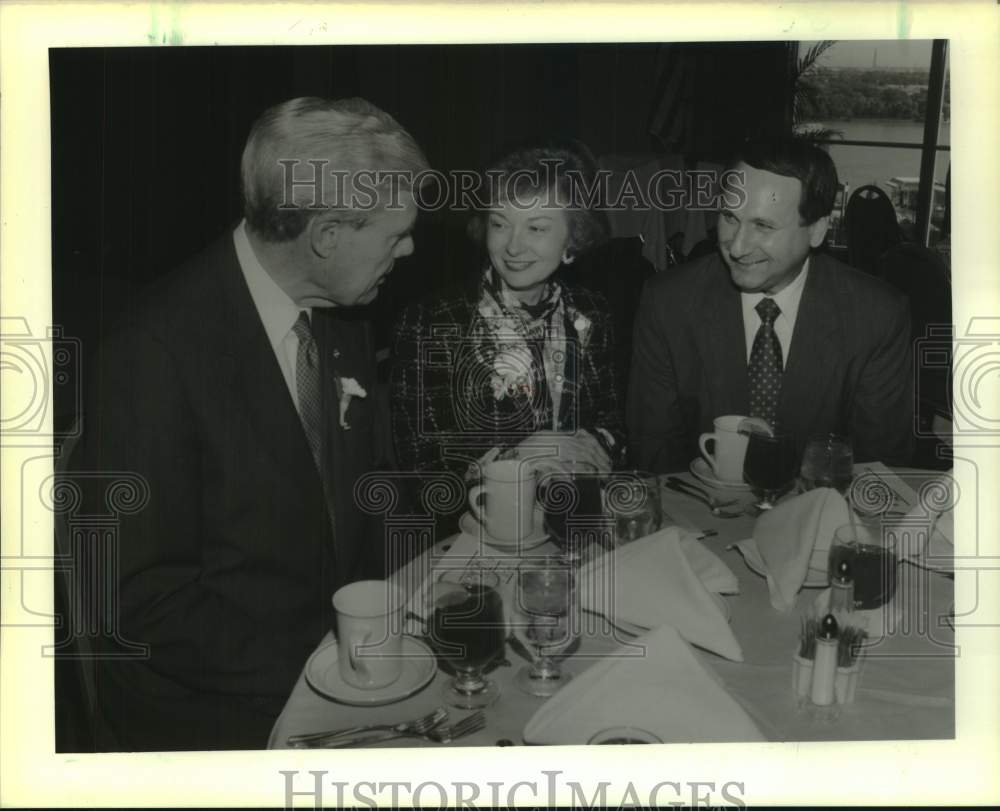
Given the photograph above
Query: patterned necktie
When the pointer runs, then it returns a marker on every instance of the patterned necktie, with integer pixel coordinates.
(307, 386)
(765, 364)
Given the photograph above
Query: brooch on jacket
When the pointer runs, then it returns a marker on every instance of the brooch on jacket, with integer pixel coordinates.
(347, 389)
(582, 325)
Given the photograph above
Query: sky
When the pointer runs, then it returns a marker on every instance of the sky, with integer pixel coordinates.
(891, 53)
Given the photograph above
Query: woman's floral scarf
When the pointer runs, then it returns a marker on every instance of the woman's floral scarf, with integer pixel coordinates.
(524, 346)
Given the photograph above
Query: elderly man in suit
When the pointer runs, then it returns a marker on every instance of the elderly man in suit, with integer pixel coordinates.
(767, 327)
(236, 389)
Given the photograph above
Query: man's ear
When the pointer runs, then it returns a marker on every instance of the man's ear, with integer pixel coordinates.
(817, 231)
(324, 232)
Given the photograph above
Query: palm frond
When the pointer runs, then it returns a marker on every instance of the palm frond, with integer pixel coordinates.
(806, 62)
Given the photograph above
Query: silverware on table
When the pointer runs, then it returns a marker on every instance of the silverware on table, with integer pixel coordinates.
(418, 725)
(715, 506)
(440, 734)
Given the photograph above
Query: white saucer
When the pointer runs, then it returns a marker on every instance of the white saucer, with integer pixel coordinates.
(815, 578)
(700, 470)
(470, 526)
(419, 667)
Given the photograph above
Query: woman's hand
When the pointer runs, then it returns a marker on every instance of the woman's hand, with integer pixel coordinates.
(552, 448)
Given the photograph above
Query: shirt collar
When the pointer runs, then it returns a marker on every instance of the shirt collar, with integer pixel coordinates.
(787, 298)
(277, 311)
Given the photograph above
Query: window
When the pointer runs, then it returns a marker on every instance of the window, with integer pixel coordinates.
(874, 104)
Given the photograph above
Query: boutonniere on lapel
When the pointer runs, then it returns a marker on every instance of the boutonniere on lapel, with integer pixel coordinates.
(347, 389)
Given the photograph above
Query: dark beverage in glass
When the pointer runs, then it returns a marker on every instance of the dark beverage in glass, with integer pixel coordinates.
(770, 465)
(574, 509)
(873, 568)
(468, 626)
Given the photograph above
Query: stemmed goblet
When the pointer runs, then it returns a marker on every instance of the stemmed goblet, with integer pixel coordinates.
(770, 465)
(469, 630)
(546, 620)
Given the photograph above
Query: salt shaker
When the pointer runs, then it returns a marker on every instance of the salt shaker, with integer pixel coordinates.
(825, 662)
(842, 589)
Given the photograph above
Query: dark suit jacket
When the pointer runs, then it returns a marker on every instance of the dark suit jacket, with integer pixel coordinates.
(444, 414)
(849, 369)
(228, 572)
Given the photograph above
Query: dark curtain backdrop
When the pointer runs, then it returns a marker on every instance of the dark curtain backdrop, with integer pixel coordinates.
(146, 142)
(709, 98)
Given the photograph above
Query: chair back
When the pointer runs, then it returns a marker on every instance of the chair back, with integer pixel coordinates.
(871, 227)
(922, 275)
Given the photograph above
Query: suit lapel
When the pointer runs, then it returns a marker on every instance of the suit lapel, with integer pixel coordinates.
(344, 354)
(724, 344)
(813, 351)
(258, 384)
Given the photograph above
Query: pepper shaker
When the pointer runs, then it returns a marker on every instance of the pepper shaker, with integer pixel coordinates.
(825, 662)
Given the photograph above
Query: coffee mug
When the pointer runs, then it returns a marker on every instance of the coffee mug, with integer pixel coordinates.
(730, 447)
(509, 489)
(369, 633)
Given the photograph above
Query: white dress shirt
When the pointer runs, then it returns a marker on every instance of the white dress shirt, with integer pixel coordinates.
(784, 325)
(278, 313)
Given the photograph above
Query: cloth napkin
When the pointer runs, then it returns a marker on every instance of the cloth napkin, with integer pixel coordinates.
(663, 579)
(665, 691)
(788, 536)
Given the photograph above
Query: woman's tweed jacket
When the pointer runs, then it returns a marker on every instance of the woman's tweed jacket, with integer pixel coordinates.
(444, 411)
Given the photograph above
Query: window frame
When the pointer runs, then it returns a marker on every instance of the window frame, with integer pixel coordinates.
(929, 146)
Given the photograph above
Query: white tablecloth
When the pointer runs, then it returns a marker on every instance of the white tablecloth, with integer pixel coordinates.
(906, 691)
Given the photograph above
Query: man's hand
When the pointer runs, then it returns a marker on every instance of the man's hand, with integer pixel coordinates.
(553, 449)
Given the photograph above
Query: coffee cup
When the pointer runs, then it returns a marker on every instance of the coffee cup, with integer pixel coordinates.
(508, 488)
(369, 633)
(729, 448)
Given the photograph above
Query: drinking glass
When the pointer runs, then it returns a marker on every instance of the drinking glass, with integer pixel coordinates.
(574, 512)
(632, 501)
(469, 631)
(872, 562)
(828, 461)
(546, 620)
(770, 465)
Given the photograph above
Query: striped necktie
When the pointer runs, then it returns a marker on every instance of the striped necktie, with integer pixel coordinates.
(307, 387)
(765, 366)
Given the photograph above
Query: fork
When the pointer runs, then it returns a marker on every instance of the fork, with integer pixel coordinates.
(440, 734)
(418, 725)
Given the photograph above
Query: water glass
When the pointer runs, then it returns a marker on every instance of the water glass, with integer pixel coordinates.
(632, 501)
(828, 461)
(546, 620)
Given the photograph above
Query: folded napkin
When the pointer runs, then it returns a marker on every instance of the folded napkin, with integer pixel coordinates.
(663, 579)
(791, 535)
(667, 692)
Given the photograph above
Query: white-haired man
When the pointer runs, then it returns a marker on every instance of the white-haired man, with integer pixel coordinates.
(236, 390)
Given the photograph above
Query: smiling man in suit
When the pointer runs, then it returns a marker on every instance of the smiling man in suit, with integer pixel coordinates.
(768, 327)
(229, 390)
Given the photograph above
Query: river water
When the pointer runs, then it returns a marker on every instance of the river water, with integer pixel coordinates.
(861, 165)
